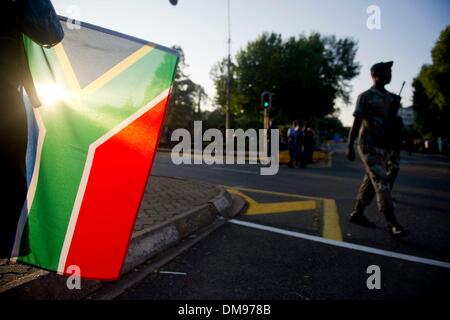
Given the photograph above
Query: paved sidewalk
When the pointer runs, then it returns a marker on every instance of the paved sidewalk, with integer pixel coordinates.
(166, 201)
(165, 198)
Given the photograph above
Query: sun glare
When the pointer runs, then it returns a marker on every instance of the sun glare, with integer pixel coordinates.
(50, 94)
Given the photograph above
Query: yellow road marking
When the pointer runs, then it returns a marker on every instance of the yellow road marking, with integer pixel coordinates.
(331, 226)
(243, 195)
(67, 68)
(117, 69)
(281, 207)
(293, 195)
(255, 208)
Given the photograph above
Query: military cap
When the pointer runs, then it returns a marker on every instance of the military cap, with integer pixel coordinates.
(381, 67)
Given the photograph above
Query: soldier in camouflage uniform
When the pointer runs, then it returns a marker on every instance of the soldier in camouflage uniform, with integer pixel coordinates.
(371, 114)
(366, 191)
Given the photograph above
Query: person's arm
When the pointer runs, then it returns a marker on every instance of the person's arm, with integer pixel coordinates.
(352, 137)
(27, 79)
(354, 131)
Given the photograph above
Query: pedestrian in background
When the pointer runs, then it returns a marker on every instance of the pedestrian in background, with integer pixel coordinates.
(308, 143)
(272, 126)
(295, 140)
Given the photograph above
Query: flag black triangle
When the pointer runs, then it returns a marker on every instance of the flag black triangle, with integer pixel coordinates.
(92, 52)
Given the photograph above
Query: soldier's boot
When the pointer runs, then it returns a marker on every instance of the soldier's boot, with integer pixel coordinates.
(394, 228)
(357, 216)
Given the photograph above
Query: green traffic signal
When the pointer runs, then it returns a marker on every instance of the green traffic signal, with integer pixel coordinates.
(266, 99)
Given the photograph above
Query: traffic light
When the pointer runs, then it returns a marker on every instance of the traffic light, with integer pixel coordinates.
(266, 100)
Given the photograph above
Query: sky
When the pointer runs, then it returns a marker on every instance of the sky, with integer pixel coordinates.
(409, 30)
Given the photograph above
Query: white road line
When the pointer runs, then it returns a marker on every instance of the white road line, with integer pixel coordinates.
(425, 162)
(342, 244)
(234, 170)
(173, 272)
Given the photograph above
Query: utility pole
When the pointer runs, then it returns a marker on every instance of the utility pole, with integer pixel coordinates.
(228, 107)
(266, 104)
(199, 103)
(201, 94)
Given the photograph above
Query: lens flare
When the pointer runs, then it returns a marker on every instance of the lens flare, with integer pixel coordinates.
(50, 94)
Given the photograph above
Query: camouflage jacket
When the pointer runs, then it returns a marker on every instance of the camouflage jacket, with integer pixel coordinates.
(372, 106)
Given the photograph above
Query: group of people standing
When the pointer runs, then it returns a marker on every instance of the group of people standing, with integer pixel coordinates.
(301, 143)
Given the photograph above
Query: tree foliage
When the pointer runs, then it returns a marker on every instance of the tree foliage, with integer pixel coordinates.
(431, 97)
(306, 74)
(185, 97)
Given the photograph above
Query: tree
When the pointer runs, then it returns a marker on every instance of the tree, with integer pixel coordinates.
(214, 119)
(305, 74)
(186, 97)
(431, 91)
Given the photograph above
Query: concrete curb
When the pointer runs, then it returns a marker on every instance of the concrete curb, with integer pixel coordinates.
(149, 242)
(43, 285)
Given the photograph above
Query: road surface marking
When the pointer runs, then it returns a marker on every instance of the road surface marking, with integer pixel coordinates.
(280, 207)
(174, 273)
(255, 208)
(234, 170)
(331, 224)
(342, 244)
(275, 193)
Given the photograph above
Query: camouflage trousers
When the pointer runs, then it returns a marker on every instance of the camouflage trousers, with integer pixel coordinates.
(382, 167)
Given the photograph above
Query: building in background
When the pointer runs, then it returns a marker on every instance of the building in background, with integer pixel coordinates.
(408, 116)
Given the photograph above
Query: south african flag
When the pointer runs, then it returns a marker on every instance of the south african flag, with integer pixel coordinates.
(91, 147)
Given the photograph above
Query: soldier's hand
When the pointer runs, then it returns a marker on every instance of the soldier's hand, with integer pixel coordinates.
(350, 153)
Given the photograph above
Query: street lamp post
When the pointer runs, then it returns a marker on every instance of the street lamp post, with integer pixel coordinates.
(228, 107)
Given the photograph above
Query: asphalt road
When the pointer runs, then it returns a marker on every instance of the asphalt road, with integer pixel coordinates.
(313, 252)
